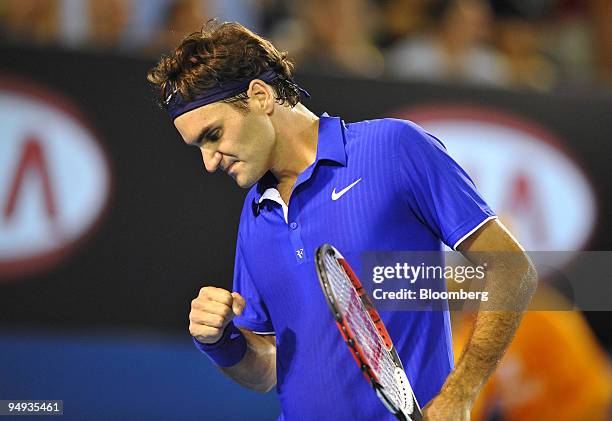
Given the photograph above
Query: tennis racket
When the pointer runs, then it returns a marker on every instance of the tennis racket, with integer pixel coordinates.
(365, 334)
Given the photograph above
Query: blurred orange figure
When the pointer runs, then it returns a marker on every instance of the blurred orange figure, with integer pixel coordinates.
(553, 370)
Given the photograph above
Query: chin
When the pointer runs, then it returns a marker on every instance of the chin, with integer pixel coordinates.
(246, 179)
(244, 183)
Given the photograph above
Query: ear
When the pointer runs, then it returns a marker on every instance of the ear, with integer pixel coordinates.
(261, 96)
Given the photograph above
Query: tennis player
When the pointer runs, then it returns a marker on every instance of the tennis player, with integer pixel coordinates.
(372, 185)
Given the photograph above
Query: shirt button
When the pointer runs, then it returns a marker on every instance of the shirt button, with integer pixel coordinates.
(293, 225)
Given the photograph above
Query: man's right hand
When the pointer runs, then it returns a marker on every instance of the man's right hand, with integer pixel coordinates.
(211, 311)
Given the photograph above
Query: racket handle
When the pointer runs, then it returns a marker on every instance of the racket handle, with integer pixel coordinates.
(416, 416)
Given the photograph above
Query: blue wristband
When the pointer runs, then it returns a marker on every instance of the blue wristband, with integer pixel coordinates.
(228, 350)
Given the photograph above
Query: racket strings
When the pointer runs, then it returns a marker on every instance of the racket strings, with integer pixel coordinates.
(366, 335)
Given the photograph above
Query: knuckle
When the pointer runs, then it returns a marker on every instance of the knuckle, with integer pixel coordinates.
(226, 313)
(219, 321)
(224, 297)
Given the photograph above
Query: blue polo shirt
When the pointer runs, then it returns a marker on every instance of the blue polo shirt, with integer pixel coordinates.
(406, 194)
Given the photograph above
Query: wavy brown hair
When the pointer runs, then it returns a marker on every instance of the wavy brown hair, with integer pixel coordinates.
(221, 52)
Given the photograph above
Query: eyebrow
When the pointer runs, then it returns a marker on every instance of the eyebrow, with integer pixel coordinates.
(203, 133)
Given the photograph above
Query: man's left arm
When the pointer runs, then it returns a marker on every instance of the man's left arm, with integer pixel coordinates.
(510, 283)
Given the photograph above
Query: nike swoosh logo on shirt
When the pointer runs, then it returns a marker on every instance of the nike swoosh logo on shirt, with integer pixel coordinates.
(338, 195)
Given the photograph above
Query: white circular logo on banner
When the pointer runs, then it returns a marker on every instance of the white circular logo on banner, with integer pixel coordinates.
(522, 171)
(54, 179)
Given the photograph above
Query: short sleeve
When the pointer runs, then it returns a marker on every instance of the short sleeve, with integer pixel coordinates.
(255, 316)
(437, 189)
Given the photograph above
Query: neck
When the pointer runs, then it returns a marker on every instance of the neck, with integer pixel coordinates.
(296, 143)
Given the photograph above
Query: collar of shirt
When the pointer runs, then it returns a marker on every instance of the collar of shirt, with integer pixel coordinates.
(330, 147)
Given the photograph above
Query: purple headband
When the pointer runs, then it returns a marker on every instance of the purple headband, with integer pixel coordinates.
(176, 106)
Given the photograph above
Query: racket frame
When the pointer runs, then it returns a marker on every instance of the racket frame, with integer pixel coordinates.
(348, 335)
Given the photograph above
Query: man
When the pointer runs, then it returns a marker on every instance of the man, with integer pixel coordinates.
(373, 185)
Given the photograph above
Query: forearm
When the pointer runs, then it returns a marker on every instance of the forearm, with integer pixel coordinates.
(510, 284)
(257, 369)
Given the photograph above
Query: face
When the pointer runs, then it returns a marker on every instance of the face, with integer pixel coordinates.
(238, 143)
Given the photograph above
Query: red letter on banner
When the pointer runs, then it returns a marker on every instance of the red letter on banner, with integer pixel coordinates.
(32, 159)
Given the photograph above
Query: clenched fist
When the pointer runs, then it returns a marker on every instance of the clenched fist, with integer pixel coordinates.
(211, 311)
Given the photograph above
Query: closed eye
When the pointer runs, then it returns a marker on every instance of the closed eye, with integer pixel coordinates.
(208, 136)
(214, 135)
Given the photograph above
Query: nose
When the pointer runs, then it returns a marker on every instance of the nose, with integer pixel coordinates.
(211, 159)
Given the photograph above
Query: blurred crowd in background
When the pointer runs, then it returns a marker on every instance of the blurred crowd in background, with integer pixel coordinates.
(542, 45)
